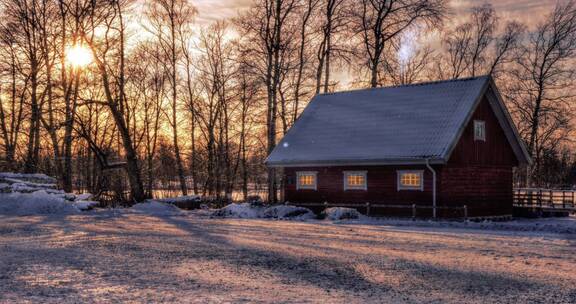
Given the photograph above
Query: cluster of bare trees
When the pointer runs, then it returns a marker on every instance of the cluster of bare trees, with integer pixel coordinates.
(165, 102)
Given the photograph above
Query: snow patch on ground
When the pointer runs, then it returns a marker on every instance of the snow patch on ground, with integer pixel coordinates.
(152, 207)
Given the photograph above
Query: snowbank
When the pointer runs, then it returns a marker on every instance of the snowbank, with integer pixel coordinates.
(36, 178)
(152, 207)
(85, 205)
(251, 211)
(36, 203)
(32, 194)
(340, 213)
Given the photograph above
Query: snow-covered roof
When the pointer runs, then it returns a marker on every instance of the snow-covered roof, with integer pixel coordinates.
(390, 125)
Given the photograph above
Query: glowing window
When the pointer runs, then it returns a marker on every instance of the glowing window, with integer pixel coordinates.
(479, 130)
(306, 180)
(410, 180)
(355, 180)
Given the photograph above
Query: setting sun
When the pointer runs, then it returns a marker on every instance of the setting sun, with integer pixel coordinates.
(78, 56)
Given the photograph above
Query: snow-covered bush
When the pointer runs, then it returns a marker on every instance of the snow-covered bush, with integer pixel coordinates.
(244, 210)
(288, 212)
(340, 213)
(249, 210)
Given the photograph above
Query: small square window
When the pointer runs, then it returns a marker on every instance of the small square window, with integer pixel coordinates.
(306, 180)
(355, 180)
(410, 180)
(479, 130)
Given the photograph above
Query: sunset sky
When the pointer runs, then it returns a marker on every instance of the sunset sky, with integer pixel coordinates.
(521, 10)
(528, 12)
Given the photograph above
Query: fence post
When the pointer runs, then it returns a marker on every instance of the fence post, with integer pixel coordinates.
(551, 199)
(465, 212)
(413, 211)
(367, 209)
(563, 199)
(539, 198)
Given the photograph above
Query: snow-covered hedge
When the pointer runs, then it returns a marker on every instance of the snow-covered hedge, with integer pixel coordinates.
(247, 210)
(340, 213)
(288, 212)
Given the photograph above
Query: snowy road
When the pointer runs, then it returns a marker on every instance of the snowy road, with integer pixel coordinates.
(190, 259)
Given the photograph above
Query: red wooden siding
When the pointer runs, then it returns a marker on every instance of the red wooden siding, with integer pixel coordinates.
(494, 151)
(479, 173)
(381, 182)
(485, 190)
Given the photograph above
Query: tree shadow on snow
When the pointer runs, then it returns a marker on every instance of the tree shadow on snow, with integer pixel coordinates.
(328, 273)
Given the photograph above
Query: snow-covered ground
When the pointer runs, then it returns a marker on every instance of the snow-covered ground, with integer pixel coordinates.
(141, 255)
(155, 252)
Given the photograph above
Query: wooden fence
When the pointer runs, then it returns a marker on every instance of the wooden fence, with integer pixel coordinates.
(548, 199)
(368, 207)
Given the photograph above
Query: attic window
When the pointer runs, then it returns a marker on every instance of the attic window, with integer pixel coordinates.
(410, 180)
(306, 180)
(479, 130)
(355, 180)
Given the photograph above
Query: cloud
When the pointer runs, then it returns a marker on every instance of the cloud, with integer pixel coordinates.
(213, 10)
(527, 11)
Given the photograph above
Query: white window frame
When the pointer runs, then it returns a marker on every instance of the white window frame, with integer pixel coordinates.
(349, 187)
(402, 187)
(480, 124)
(307, 187)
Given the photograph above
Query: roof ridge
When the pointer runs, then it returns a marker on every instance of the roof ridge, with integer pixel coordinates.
(410, 84)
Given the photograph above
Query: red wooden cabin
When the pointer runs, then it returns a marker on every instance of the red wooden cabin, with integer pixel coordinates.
(445, 144)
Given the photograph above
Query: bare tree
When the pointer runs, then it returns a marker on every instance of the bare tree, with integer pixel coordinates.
(264, 29)
(302, 56)
(474, 47)
(168, 17)
(334, 21)
(377, 22)
(11, 110)
(544, 76)
(408, 68)
(109, 52)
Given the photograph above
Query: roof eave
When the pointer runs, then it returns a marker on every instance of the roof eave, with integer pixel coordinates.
(348, 162)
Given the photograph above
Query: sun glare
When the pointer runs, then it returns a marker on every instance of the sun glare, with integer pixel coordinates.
(78, 56)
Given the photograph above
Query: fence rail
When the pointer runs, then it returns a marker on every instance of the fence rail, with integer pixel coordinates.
(545, 199)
